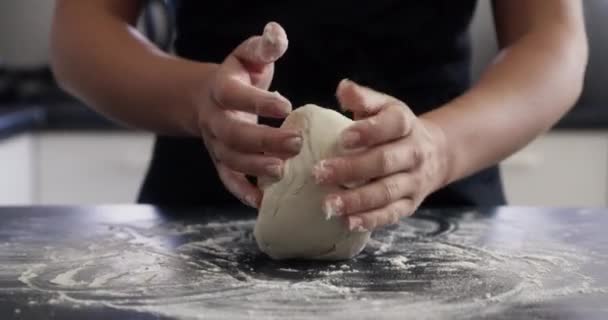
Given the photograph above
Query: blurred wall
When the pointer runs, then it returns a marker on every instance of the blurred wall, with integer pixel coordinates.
(24, 29)
(596, 79)
(483, 35)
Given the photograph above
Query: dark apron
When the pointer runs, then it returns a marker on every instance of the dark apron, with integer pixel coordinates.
(417, 51)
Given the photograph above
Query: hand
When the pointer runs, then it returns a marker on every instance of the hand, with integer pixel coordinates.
(231, 103)
(392, 157)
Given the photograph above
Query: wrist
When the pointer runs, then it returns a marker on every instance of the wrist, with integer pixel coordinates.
(195, 94)
(442, 154)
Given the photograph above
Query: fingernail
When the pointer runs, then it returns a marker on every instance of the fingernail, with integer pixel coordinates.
(269, 33)
(360, 229)
(321, 172)
(252, 201)
(294, 144)
(283, 105)
(275, 170)
(334, 207)
(344, 82)
(274, 42)
(350, 139)
(354, 223)
(341, 86)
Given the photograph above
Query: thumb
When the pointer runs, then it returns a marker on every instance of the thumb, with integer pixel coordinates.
(264, 49)
(362, 101)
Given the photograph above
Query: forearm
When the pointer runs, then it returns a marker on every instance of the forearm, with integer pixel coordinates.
(100, 58)
(531, 84)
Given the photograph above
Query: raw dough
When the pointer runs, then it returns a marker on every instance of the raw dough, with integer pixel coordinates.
(291, 223)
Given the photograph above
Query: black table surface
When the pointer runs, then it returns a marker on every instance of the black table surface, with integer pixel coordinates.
(142, 262)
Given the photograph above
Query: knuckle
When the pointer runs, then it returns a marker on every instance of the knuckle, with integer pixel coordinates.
(371, 124)
(408, 207)
(388, 160)
(260, 104)
(219, 151)
(353, 202)
(395, 218)
(403, 120)
(387, 219)
(219, 92)
(395, 212)
(248, 46)
(390, 191)
(231, 136)
(343, 169)
(417, 156)
(415, 183)
(212, 127)
(267, 142)
(207, 131)
(366, 201)
(254, 167)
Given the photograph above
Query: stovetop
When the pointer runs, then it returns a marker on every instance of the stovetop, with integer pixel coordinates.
(142, 262)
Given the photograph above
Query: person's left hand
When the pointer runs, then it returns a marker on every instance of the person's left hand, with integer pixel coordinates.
(391, 157)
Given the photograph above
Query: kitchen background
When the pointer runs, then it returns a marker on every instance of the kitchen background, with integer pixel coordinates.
(53, 150)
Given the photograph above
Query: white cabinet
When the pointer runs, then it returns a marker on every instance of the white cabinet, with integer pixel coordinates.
(562, 168)
(91, 167)
(16, 170)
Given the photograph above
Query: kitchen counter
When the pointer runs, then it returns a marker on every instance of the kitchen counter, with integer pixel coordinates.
(141, 262)
(17, 119)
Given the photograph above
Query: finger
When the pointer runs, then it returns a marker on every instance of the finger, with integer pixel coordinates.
(389, 214)
(394, 121)
(374, 195)
(235, 94)
(375, 163)
(264, 49)
(248, 163)
(359, 99)
(265, 181)
(250, 137)
(239, 186)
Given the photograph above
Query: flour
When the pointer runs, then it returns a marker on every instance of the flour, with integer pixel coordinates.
(331, 273)
(417, 269)
(66, 279)
(397, 262)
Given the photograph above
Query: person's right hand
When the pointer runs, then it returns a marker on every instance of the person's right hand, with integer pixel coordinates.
(235, 96)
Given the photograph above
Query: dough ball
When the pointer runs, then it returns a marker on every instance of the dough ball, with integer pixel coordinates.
(291, 223)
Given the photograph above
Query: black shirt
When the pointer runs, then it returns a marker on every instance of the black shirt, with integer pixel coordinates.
(417, 51)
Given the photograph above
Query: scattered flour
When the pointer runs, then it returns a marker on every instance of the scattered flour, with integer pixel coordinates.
(134, 272)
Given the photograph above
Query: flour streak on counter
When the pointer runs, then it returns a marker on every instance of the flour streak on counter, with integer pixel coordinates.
(427, 266)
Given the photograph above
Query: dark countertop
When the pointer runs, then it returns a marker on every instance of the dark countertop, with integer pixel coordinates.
(141, 262)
